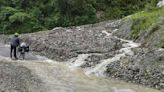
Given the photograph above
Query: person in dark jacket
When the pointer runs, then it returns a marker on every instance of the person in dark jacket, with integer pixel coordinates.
(15, 42)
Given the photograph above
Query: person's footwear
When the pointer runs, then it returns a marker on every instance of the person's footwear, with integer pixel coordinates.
(16, 58)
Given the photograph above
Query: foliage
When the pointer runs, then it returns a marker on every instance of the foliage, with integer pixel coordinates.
(144, 20)
(19, 17)
(162, 37)
(35, 15)
(6, 12)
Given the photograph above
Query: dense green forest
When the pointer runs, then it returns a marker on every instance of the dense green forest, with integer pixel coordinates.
(35, 15)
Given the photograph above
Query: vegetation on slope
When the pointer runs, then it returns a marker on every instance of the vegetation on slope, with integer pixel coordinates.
(143, 20)
(148, 21)
(162, 39)
(34, 15)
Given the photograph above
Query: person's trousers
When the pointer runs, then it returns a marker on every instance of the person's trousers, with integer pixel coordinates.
(13, 50)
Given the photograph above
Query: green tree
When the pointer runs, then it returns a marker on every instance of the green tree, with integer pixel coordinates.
(36, 15)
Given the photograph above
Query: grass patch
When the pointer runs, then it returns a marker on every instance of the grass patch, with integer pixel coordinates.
(144, 20)
(162, 37)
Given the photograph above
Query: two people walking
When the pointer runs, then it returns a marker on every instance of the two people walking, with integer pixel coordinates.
(15, 44)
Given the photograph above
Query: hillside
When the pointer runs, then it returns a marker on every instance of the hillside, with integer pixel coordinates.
(25, 16)
(96, 49)
(129, 47)
(145, 27)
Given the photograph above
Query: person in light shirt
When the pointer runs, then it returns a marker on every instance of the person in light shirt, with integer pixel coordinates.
(23, 44)
(23, 48)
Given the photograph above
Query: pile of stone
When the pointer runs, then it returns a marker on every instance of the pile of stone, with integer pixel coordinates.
(62, 44)
(17, 78)
(146, 67)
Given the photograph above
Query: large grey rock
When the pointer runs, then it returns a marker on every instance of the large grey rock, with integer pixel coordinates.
(125, 28)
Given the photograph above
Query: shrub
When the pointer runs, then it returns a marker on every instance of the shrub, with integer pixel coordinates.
(19, 17)
(41, 14)
(144, 20)
(5, 12)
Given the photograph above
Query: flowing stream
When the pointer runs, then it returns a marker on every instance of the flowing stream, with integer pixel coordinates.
(100, 68)
(126, 50)
(59, 77)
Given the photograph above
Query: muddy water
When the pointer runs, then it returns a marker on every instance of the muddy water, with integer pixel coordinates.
(58, 77)
(99, 69)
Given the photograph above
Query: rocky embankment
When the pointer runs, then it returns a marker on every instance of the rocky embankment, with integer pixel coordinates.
(63, 44)
(144, 67)
(100, 47)
(17, 78)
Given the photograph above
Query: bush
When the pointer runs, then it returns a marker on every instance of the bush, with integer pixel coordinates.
(144, 20)
(30, 15)
(5, 12)
(51, 22)
(19, 17)
(113, 13)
